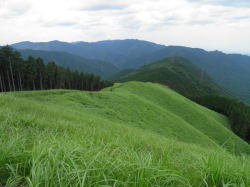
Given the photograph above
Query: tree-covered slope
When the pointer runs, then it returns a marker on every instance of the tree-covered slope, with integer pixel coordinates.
(176, 73)
(73, 62)
(237, 112)
(131, 134)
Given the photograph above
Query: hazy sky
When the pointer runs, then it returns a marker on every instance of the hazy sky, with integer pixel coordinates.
(208, 24)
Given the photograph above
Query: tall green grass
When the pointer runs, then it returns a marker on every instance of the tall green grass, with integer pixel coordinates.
(117, 137)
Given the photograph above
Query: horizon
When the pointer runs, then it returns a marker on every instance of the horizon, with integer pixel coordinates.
(211, 25)
(213, 50)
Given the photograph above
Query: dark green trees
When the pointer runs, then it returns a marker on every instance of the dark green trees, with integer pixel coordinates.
(237, 112)
(17, 74)
(10, 69)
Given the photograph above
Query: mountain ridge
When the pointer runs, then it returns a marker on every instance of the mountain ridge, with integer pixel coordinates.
(177, 73)
(116, 51)
(230, 71)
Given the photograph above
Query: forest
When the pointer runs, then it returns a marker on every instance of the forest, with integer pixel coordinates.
(18, 74)
(237, 112)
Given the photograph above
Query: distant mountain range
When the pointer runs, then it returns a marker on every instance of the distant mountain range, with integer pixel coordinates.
(231, 71)
(176, 73)
(73, 62)
(118, 52)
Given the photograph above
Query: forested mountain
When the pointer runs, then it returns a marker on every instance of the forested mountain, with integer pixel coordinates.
(176, 73)
(231, 71)
(73, 62)
(17, 74)
(118, 52)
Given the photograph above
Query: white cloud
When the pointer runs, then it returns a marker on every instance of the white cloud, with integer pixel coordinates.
(195, 23)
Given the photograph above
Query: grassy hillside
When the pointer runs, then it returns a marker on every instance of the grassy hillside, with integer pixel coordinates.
(176, 73)
(73, 62)
(132, 134)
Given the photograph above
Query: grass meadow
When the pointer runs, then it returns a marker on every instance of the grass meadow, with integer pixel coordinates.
(131, 134)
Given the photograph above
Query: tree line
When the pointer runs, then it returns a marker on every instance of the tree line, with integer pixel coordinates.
(18, 74)
(237, 112)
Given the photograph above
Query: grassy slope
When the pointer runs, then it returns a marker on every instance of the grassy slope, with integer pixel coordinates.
(177, 73)
(133, 134)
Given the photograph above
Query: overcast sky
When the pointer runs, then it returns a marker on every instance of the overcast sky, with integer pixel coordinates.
(208, 24)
